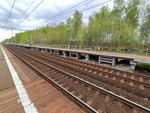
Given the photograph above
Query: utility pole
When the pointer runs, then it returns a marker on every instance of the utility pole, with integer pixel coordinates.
(68, 31)
(30, 39)
(12, 35)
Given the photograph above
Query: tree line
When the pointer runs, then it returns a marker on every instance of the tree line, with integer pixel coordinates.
(126, 25)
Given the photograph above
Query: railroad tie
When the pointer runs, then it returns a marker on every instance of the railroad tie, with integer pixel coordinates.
(77, 67)
(96, 67)
(85, 69)
(96, 93)
(62, 84)
(89, 102)
(135, 111)
(119, 104)
(141, 86)
(141, 79)
(89, 88)
(124, 75)
(114, 78)
(132, 77)
(111, 71)
(83, 84)
(122, 80)
(107, 98)
(81, 68)
(80, 96)
(92, 66)
(101, 69)
(90, 71)
(131, 83)
(94, 72)
(66, 88)
(76, 82)
(106, 70)
(118, 73)
(73, 92)
(106, 76)
(100, 110)
(100, 74)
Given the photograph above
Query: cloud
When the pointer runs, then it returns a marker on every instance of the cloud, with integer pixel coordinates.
(48, 9)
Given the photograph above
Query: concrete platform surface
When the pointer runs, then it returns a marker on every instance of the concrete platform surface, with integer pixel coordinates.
(5, 76)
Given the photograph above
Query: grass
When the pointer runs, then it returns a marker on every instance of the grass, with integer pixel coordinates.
(144, 66)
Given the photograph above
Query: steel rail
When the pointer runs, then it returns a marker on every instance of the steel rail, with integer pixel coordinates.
(66, 92)
(102, 90)
(135, 74)
(110, 74)
(130, 73)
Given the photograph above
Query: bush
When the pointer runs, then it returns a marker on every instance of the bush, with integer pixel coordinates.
(143, 66)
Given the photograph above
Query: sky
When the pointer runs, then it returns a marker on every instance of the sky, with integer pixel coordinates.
(23, 17)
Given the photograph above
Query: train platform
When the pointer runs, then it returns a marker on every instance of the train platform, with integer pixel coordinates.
(109, 54)
(22, 91)
(101, 57)
(5, 76)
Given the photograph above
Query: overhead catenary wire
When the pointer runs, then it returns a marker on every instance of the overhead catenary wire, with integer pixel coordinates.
(67, 10)
(10, 12)
(97, 5)
(8, 27)
(30, 12)
(26, 10)
(92, 7)
(81, 10)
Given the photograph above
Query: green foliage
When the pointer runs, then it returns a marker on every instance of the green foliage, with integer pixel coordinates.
(143, 65)
(132, 13)
(77, 23)
(145, 27)
(120, 27)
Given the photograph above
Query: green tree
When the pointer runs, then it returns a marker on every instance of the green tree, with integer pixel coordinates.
(116, 16)
(77, 23)
(132, 13)
(145, 28)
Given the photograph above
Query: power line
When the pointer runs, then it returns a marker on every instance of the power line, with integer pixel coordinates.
(29, 6)
(54, 18)
(27, 9)
(30, 12)
(97, 5)
(93, 6)
(10, 12)
(68, 10)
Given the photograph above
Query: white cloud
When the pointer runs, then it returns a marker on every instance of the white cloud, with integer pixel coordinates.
(5, 33)
(48, 9)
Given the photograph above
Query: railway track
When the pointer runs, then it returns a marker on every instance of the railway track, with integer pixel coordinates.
(129, 81)
(132, 79)
(88, 93)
